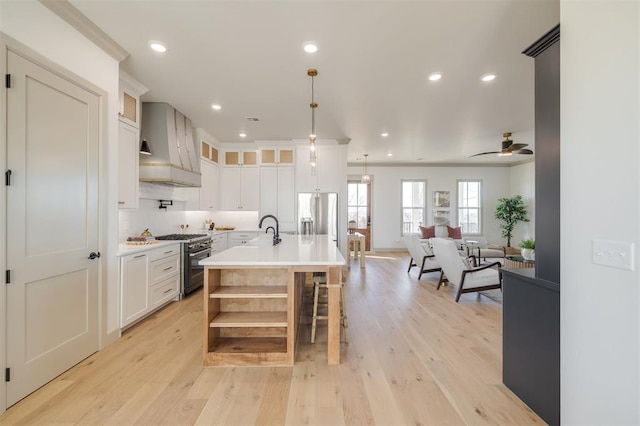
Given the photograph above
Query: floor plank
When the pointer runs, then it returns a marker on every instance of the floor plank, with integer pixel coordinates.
(414, 357)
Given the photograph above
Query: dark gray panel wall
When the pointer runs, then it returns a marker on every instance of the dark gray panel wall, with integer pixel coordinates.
(547, 166)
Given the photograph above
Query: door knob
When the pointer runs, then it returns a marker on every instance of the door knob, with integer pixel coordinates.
(94, 255)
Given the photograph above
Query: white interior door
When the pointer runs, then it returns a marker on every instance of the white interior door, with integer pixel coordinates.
(52, 225)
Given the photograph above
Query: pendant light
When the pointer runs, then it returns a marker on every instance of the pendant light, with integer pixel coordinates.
(311, 72)
(144, 148)
(365, 177)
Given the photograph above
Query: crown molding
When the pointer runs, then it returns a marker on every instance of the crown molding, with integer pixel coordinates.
(398, 164)
(72, 16)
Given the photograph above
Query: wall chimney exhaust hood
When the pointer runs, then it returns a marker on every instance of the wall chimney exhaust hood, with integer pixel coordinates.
(174, 159)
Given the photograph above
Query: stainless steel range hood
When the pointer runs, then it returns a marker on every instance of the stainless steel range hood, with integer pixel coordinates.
(174, 158)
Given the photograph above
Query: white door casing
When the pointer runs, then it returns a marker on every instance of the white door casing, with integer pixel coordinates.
(53, 128)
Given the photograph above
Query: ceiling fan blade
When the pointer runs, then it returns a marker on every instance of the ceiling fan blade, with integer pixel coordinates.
(515, 146)
(523, 151)
(485, 153)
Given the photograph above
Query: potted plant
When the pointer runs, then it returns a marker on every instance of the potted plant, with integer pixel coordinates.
(528, 249)
(510, 211)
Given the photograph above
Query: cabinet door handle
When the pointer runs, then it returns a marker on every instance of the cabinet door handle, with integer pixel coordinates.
(138, 256)
(167, 252)
(166, 269)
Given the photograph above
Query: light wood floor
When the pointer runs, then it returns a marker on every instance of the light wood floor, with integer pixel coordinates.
(414, 358)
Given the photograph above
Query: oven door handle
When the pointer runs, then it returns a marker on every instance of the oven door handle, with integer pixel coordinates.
(200, 252)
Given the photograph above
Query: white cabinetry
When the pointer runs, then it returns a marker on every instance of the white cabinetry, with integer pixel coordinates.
(210, 189)
(240, 238)
(129, 141)
(327, 177)
(277, 194)
(148, 280)
(240, 188)
(218, 243)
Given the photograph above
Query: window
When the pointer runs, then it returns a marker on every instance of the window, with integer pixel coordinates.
(413, 205)
(470, 206)
(357, 202)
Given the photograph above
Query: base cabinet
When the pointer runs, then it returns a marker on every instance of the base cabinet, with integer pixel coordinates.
(148, 280)
(240, 238)
(219, 242)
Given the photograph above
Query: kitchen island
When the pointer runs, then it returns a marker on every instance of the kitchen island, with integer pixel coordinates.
(253, 299)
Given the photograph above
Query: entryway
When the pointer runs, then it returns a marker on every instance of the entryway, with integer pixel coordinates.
(359, 210)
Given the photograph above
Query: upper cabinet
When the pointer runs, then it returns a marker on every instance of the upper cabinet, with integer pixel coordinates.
(129, 141)
(129, 100)
(327, 177)
(241, 158)
(209, 152)
(276, 156)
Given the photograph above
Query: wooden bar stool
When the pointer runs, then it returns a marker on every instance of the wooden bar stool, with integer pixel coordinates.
(320, 282)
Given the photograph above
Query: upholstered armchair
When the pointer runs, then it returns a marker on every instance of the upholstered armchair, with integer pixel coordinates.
(458, 272)
(478, 247)
(421, 255)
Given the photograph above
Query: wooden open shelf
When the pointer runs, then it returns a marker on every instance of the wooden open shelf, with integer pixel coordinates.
(254, 292)
(250, 319)
(247, 345)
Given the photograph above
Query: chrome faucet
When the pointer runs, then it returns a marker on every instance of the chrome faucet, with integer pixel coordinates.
(276, 235)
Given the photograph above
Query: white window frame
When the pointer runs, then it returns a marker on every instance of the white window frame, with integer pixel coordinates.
(479, 208)
(402, 207)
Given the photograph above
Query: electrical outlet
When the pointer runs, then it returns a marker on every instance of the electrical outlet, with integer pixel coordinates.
(616, 254)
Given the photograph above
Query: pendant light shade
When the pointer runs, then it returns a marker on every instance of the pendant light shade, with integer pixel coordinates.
(313, 156)
(144, 148)
(365, 177)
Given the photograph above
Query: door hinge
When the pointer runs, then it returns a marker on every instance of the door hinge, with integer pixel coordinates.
(7, 279)
(7, 177)
(7, 374)
(7, 81)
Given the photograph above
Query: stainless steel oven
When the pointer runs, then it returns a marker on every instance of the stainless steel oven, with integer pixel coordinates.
(195, 247)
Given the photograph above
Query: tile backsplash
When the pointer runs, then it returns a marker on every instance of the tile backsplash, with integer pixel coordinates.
(148, 215)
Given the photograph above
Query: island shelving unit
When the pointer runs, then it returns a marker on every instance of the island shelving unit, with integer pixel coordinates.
(253, 298)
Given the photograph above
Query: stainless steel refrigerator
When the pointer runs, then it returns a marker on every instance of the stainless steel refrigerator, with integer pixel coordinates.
(318, 213)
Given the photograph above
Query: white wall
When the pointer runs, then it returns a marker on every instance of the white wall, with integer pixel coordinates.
(33, 25)
(522, 182)
(386, 213)
(599, 306)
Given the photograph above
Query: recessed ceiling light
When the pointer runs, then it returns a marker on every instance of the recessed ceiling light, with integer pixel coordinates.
(216, 107)
(389, 155)
(488, 77)
(158, 47)
(310, 46)
(384, 135)
(435, 76)
(243, 135)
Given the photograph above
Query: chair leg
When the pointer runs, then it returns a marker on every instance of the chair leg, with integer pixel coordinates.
(460, 289)
(424, 259)
(441, 280)
(411, 265)
(314, 320)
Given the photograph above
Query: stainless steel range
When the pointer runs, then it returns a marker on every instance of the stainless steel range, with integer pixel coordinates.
(195, 247)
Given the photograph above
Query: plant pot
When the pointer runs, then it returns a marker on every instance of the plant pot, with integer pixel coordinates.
(529, 254)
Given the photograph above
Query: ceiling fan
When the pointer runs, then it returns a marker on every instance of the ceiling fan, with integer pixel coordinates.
(509, 148)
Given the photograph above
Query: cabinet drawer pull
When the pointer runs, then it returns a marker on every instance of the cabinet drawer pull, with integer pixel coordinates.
(167, 252)
(120, 202)
(168, 291)
(170, 267)
(138, 256)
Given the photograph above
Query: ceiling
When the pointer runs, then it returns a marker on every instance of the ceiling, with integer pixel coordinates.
(373, 62)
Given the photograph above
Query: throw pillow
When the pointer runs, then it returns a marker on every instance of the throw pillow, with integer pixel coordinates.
(454, 233)
(428, 232)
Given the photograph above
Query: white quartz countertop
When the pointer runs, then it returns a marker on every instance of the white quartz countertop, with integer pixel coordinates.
(126, 249)
(293, 250)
